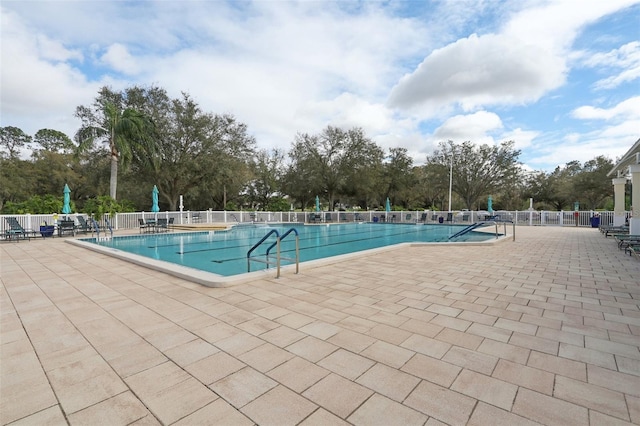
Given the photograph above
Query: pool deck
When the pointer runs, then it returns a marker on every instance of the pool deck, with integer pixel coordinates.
(541, 330)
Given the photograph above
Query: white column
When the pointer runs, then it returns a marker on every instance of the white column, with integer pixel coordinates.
(618, 198)
(634, 221)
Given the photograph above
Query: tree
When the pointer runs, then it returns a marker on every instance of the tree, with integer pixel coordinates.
(299, 181)
(556, 188)
(398, 176)
(333, 162)
(433, 183)
(478, 171)
(12, 139)
(123, 130)
(53, 141)
(267, 171)
(592, 184)
(196, 154)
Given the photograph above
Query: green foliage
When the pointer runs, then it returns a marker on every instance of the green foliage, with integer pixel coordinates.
(13, 139)
(477, 170)
(37, 205)
(267, 171)
(211, 160)
(53, 141)
(587, 184)
(204, 157)
(124, 130)
(333, 164)
(104, 204)
(278, 204)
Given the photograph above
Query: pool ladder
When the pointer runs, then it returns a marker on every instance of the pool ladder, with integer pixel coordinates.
(486, 223)
(96, 227)
(276, 244)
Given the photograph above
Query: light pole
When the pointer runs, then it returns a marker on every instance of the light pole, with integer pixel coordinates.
(450, 179)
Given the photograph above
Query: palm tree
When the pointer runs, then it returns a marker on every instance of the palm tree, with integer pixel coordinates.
(124, 131)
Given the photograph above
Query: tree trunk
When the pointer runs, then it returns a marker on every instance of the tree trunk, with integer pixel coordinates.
(113, 181)
(224, 197)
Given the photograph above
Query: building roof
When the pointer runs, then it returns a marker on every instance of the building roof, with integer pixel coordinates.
(631, 157)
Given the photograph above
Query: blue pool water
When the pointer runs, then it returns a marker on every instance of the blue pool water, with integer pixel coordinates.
(225, 252)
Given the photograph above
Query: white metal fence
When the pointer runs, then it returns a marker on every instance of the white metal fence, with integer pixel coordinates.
(132, 220)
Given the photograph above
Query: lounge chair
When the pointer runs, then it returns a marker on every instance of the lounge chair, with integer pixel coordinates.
(145, 227)
(162, 225)
(83, 225)
(66, 227)
(625, 239)
(315, 217)
(631, 247)
(612, 232)
(327, 217)
(16, 231)
(610, 229)
(423, 217)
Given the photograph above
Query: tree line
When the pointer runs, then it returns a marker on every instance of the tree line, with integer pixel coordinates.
(133, 139)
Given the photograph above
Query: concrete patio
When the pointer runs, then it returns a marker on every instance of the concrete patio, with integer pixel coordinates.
(543, 330)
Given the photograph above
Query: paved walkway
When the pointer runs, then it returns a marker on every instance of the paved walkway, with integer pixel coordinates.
(545, 329)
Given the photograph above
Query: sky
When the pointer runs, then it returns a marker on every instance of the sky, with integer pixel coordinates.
(560, 78)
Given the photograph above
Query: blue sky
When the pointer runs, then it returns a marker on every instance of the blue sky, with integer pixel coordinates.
(561, 78)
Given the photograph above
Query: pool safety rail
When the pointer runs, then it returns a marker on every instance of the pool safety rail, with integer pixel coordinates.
(95, 227)
(277, 245)
(473, 226)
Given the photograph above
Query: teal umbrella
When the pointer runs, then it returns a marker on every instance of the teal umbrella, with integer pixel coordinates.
(317, 203)
(154, 196)
(490, 204)
(387, 206)
(66, 208)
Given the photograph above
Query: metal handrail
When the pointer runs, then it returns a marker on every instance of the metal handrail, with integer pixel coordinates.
(95, 226)
(279, 257)
(473, 226)
(467, 229)
(278, 252)
(256, 245)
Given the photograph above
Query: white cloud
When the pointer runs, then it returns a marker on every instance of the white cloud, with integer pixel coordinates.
(626, 58)
(615, 130)
(522, 138)
(518, 65)
(629, 108)
(37, 86)
(118, 58)
(480, 70)
(53, 50)
(473, 127)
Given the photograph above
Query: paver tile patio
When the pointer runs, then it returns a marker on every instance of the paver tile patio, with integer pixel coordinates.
(541, 330)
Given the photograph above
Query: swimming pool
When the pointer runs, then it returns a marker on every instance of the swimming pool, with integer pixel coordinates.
(224, 253)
